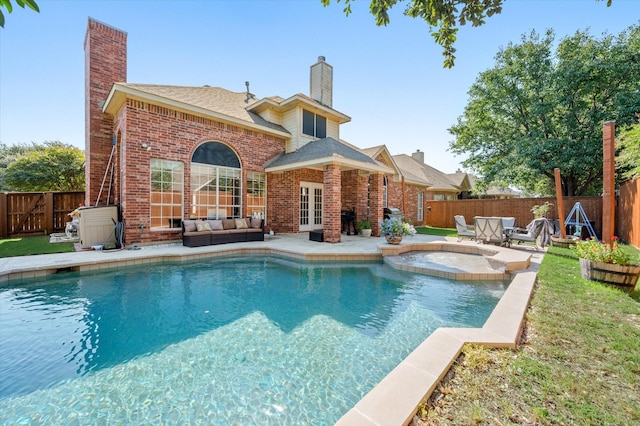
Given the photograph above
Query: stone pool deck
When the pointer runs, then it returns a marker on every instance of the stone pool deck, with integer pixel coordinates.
(395, 399)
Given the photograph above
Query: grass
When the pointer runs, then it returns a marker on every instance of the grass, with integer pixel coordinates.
(32, 245)
(441, 232)
(579, 362)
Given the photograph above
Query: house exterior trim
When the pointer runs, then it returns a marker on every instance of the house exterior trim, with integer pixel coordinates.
(119, 93)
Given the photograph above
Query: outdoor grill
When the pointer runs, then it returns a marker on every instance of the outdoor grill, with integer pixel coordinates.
(391, 212)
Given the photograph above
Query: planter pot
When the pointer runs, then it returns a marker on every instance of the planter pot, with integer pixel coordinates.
(393, 239)
(366, 232)
(623, 277)
(564, 242)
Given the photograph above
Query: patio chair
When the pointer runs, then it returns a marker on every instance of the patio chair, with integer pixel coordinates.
(490, 230)
(536, 229)
(463, 229)
(508, 222)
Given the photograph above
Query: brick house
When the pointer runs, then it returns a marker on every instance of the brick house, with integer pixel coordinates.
(167, 153)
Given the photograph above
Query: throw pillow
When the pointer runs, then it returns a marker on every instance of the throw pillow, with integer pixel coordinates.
(256, 223)
(241, 224)
(202, 226)
(216, 225)
(189, 225)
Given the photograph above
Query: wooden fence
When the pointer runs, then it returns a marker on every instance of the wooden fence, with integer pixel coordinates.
(36, 213)
(628, 212)
(442, 212)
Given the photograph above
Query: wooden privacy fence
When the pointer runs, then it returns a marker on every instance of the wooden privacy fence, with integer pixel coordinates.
(442, 212)
(36, 213)
(628, 212)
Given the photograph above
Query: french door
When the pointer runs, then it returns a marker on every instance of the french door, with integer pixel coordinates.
(310, 206)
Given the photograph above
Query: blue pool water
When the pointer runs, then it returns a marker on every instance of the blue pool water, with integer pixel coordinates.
(226, 341)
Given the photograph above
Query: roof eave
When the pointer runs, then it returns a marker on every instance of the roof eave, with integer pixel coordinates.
(292, 101)
(119, 93)
(318, 163)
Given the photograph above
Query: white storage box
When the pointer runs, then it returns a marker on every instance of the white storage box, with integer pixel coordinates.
(96, 224)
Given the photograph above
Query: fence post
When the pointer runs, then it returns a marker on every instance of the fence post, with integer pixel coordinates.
(4, 217)
(48, 212)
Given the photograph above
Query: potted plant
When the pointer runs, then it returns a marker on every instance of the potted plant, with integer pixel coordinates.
(394, 229)
(364, 226)
(607, 263)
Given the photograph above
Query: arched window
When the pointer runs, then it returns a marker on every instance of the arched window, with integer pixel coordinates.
(216, 182)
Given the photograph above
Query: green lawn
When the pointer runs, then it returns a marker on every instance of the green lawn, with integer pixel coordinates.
(579, 362)
(32, 245)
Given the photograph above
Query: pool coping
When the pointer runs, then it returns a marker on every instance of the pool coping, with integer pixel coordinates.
(395, 399)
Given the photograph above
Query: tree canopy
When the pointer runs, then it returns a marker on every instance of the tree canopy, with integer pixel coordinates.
(539, 109)
(6, 4)
(443, 17)
(53, 166)
(628, 159)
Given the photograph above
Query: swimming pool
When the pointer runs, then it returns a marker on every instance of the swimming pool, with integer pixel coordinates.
(235, 340)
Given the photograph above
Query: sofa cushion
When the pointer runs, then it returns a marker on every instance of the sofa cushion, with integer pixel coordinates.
(201, 225)
(228, 224)
(256, 223)
(241, 224)
(189, 225)
(216, 225)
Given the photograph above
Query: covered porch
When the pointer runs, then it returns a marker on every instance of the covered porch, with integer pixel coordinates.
(313, 186)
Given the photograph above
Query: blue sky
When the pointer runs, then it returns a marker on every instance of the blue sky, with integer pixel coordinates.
(389, 80)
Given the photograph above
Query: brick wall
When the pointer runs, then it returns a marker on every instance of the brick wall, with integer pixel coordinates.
(174, 136)
(105, 63)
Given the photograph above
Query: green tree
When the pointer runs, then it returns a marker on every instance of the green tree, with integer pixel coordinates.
(52, 167)
(9, 154)
(6, 4)
(628, 158)
(537, 110)
(442, 16)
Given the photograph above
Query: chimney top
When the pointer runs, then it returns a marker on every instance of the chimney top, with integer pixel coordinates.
(321, 83)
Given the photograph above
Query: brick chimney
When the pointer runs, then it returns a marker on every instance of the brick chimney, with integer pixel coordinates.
(418, 156)
(105, 60)
(322, 82)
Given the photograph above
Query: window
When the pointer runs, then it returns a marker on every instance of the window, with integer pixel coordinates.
(384, 191)
(438, 197)
(420, 206)
(167, 193)
(313, 124)
(256, 194)
(216, 182)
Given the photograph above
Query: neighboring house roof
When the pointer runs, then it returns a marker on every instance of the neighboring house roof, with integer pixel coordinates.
(461, 180)
(494, 191)
(423, 174)
(320, 152)
(205, 100)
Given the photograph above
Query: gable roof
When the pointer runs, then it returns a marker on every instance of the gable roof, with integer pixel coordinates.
(461, 180)
(423, 174)
(382, 151)
(280, 104)
(214, 102)
(320, 152)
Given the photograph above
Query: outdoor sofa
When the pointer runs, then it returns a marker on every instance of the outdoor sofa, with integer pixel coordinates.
(198, 233)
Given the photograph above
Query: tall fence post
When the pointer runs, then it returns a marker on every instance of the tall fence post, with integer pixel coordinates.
(608, 181)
